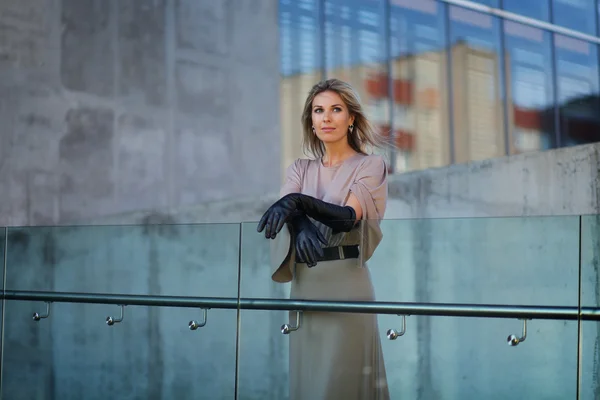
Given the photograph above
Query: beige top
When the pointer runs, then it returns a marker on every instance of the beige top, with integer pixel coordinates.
(363, 175)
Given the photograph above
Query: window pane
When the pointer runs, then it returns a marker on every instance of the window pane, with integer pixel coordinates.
(531, 115)
(420, 116)
(577, 80)
(477, 86)
(300, 69)
(579, 15)
(299, 36)
(355, 44)
(538, 9)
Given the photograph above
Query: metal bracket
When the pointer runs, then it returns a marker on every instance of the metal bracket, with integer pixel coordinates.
(193, 325)
(287, 328)
(37, 316)
(110, 321)
(513, 340)
(393, 334)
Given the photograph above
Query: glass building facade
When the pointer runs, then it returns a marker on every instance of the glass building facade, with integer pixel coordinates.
(449, 81)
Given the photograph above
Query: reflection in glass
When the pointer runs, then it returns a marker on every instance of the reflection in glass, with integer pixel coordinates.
(578, 97)
(420, 117)
(530, 89)
(300, 36)
(477, 86)
(537, 9)
(579, 15)
(355, 52)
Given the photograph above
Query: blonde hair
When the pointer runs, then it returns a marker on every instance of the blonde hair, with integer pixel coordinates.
(362, 136)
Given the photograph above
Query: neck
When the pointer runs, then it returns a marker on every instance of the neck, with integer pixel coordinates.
(335, 153)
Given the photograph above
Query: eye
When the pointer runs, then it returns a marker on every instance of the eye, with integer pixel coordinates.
(337, 109)
(317, 110)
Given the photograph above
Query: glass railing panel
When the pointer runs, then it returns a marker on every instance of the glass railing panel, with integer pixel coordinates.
(152, 353)
(516, 261)
(590, 297)
(2, 253)
(263, 353)
(2, 270)
(180, 260)
(503, 261)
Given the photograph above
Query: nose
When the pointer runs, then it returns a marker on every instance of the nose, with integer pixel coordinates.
(326, 116)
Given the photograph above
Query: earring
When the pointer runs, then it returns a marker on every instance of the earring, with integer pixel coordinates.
(313, 129)
(351, 127)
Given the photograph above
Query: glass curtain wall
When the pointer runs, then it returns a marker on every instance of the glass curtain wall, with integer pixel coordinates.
(449, 83)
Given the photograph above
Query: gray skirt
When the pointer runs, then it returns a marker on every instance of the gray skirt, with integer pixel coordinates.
(335, 355)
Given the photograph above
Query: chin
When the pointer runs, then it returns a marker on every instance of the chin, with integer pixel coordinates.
(330, 138)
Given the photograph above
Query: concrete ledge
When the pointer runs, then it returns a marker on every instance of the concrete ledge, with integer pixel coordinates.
(555, 182)
(549, 183)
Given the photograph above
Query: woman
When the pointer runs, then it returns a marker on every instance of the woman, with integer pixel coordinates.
(331, 207)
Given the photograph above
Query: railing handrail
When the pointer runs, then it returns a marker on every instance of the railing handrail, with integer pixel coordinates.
(374, 307)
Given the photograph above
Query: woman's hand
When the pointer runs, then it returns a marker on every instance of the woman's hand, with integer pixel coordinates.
(307, 240)
(338, 218)
(275, 217)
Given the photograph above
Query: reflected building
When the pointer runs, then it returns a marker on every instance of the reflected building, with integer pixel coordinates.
(446, 84)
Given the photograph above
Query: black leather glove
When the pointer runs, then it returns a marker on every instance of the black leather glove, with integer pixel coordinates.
(307, 238)
(338, 218)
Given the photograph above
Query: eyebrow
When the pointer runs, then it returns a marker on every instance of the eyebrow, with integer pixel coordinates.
(335, 105)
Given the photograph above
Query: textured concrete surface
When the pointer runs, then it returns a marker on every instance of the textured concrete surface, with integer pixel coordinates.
(559, 182)
(111, 106)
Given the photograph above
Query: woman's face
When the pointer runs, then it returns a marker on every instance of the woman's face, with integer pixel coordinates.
(330, 117)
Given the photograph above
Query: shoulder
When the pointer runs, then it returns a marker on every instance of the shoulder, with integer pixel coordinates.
(373, 164)
(298, 167)
(299, 164)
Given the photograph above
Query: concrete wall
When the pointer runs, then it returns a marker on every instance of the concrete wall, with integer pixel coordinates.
(110, 106)
(559, 182)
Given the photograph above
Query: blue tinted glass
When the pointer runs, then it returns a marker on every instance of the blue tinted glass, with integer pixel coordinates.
(531, 92)
(354, 33)
(299, 36)
(538, 9)
(579, 15)
(578, 97)
(419, 85)
(478, 90)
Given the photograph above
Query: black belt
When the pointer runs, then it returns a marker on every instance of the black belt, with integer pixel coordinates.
(337, 253)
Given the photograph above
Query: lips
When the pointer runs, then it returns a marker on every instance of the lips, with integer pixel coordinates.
(328, 129)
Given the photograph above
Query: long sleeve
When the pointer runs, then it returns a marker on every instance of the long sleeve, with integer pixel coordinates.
(371, 189)
(281, 250)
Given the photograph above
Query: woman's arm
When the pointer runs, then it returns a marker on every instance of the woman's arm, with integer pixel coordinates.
(355, 204)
